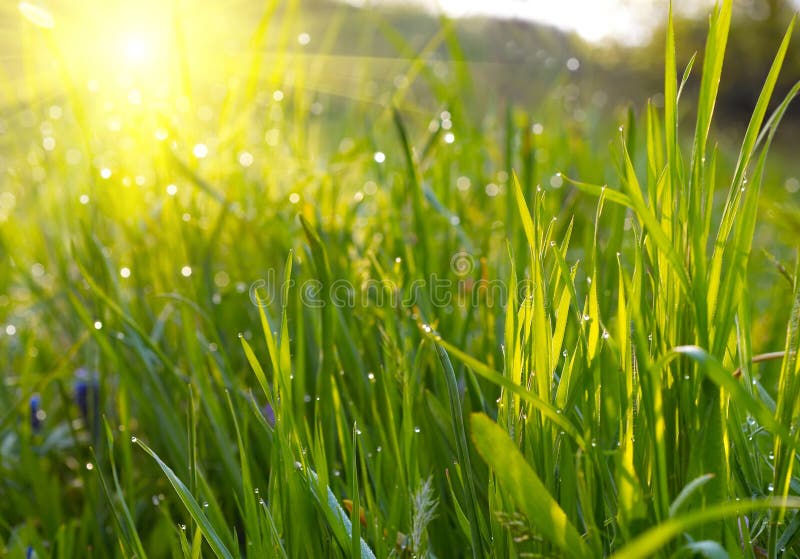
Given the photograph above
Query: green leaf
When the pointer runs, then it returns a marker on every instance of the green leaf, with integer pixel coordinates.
(210, 534)
(518, 479)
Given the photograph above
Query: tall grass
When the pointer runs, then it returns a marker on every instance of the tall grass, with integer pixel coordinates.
(268, 372)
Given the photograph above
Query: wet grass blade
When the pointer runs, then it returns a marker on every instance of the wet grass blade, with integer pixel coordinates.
(525, 488)
(192, 506)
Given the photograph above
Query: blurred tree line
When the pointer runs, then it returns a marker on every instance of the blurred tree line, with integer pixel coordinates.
(757, 29)
(524, 63)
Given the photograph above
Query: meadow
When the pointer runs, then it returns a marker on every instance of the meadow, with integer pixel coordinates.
(262, 299)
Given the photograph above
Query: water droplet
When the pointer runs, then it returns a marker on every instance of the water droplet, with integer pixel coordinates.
(771, 455)
(182, 526)
(205, 504)
(770, 488)
(417, 429)
(134, 439)
(606, 335)
(200, 151)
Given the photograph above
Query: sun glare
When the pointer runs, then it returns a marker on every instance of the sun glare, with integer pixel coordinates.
(36, 15)
(136, 49)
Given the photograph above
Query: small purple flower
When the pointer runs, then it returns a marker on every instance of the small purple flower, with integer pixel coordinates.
(269, 414)
(87, 395)
(37, 414)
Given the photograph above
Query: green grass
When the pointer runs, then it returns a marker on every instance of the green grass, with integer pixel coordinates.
(608, 366)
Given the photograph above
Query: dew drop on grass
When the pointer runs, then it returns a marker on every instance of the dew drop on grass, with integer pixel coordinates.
(770, 488)
(606, 335)
(417, 429)
(182, 527)
(205, 504)
(200, 151)
(771, 455)
(134, 439)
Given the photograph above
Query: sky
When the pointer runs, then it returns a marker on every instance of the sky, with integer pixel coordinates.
(625, 21)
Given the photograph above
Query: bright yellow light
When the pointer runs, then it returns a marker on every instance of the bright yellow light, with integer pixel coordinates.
(37, 15)
(136, 49)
